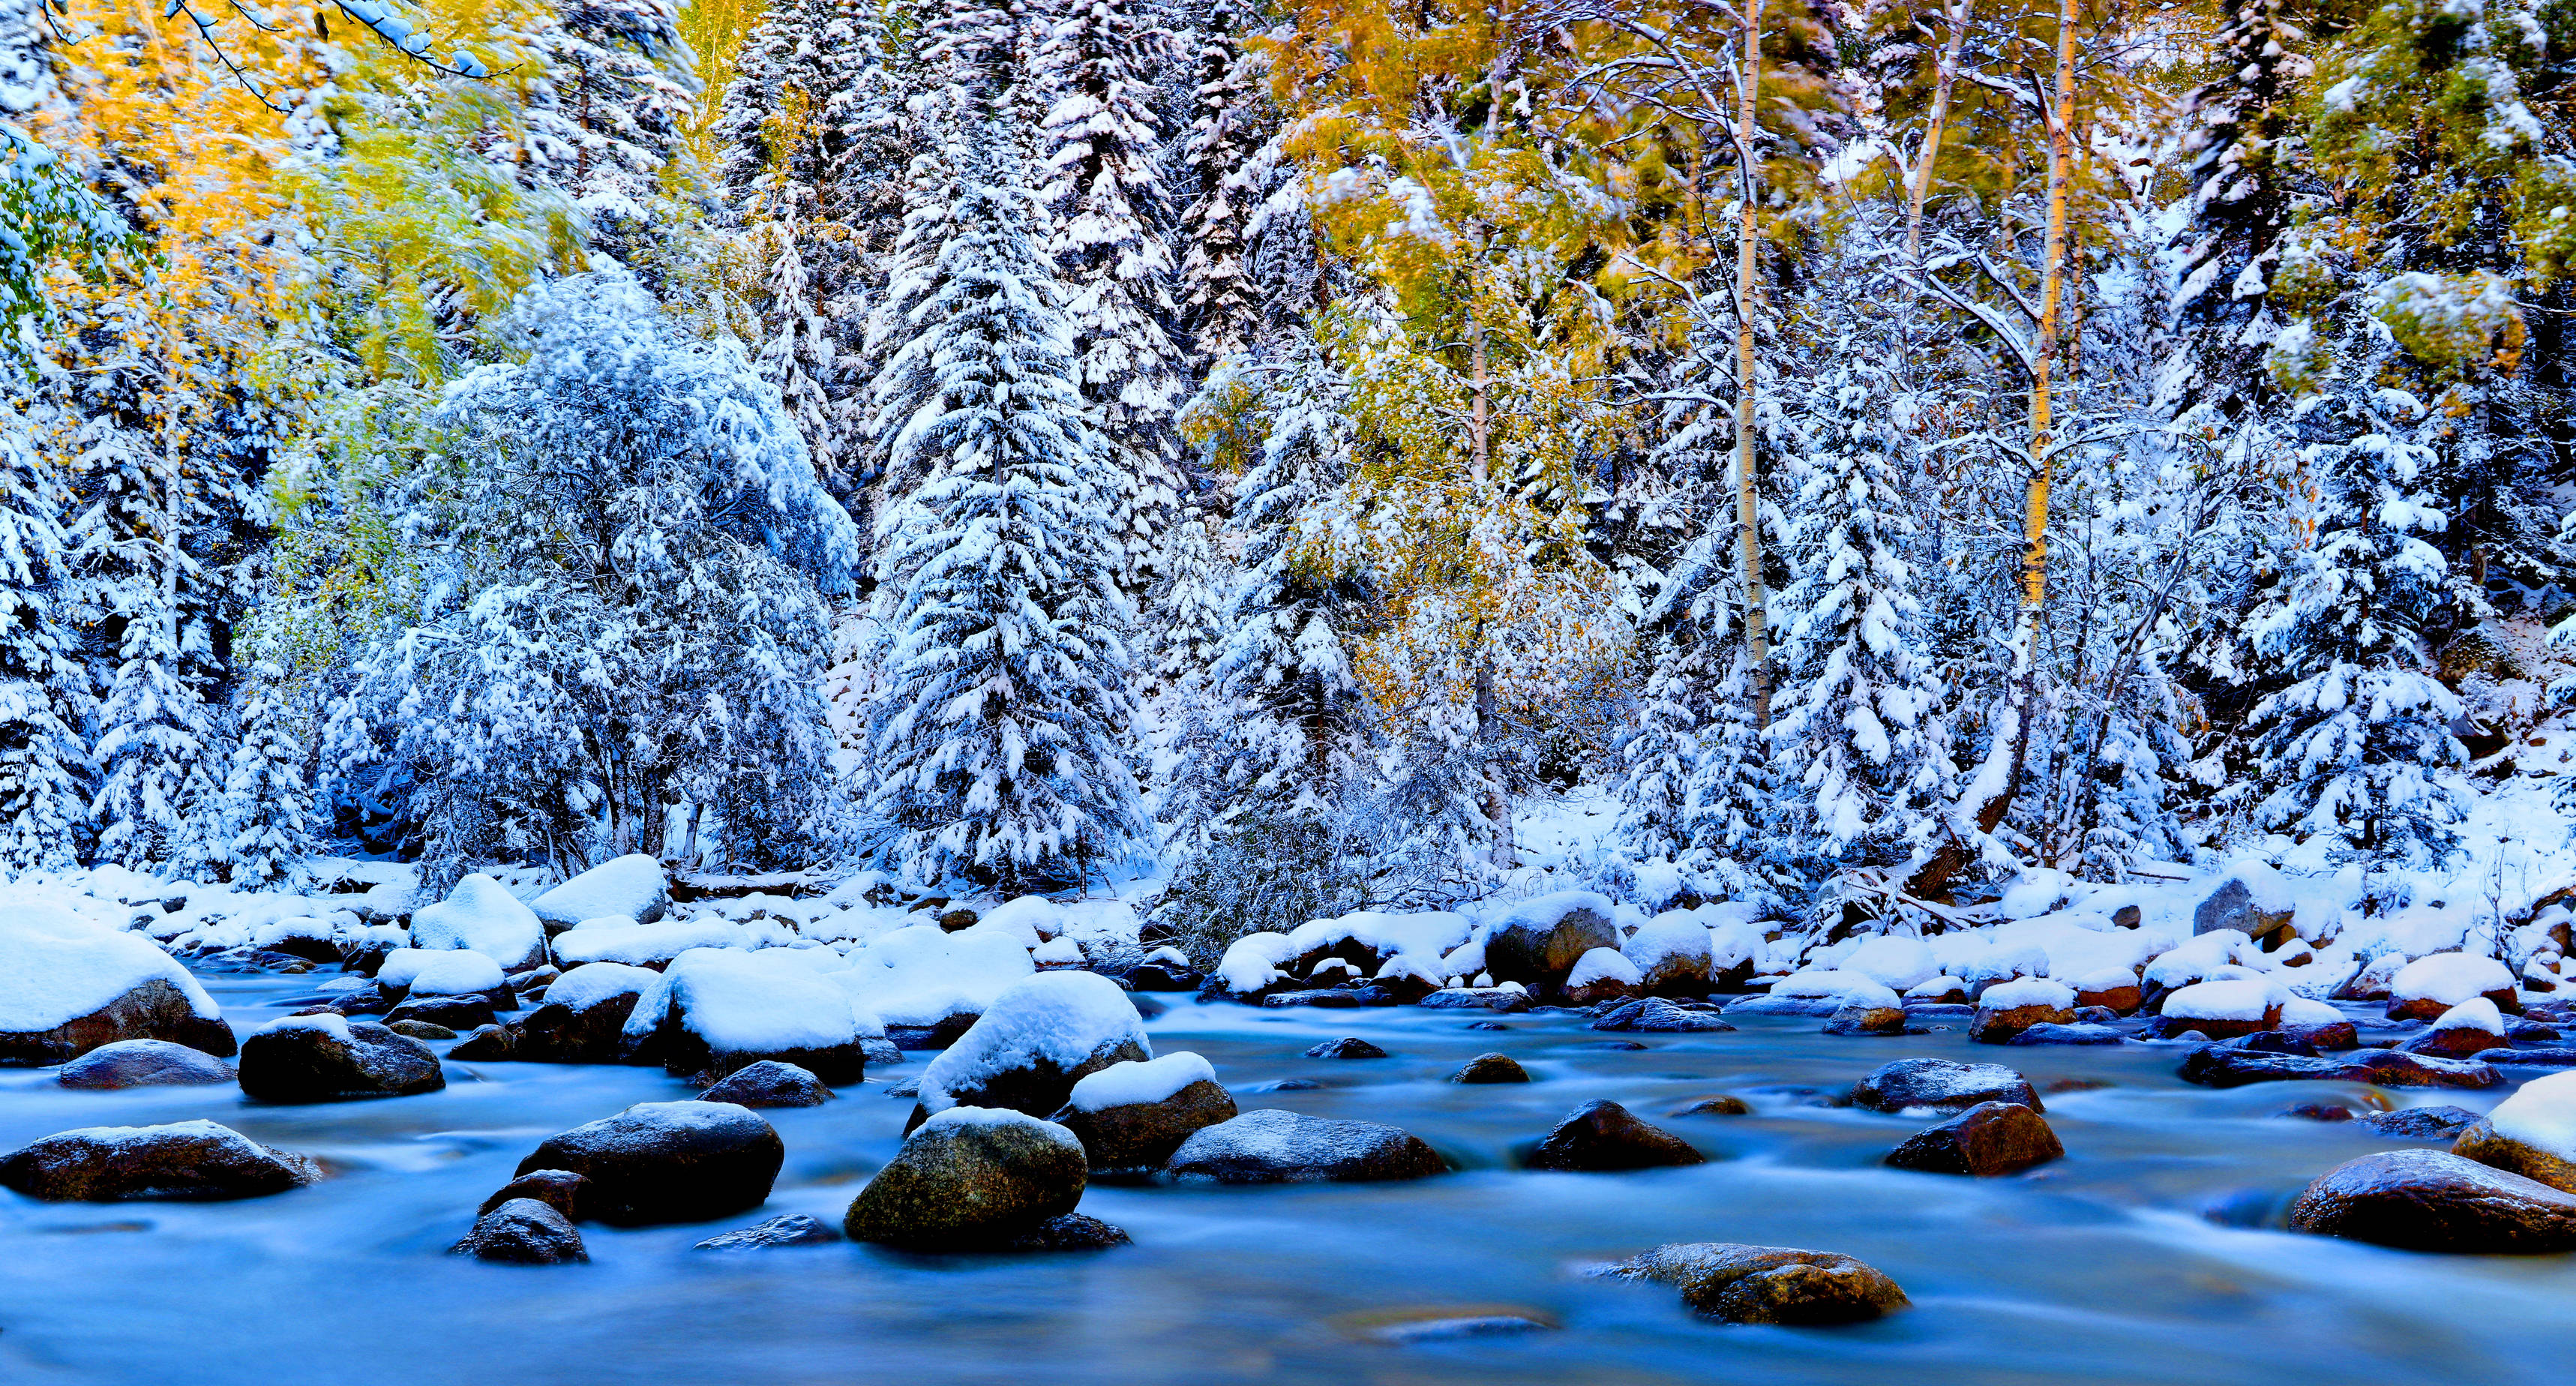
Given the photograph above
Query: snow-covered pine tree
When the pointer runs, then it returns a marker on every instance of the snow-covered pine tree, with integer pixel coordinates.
(1112, 218)
(2228, 241)
(608, 118)
(1230, 159)
(44, 767)
(160, 730)
(1857, 728)
(1190, 603)
(2357, 750)
(998, 741)
(1308, 739)
(262, 825)
(810, 136)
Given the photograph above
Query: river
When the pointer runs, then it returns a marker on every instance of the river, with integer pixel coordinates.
(2099, 1268)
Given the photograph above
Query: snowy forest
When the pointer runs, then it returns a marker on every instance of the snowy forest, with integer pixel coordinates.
(1880, 446)
(1554, 621)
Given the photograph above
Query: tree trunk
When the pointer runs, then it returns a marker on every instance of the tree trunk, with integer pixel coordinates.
(1990, 790)
(1748, 513)
(1944, 76)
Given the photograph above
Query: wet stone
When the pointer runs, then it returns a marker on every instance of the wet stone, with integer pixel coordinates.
(792, 1229)
(1490, 1068)
(1736, 1283)
(1985, 1141)
(1346, 1048)
(1603, 1136)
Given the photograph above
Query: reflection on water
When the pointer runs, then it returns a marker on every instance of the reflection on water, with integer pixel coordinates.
(2101, 1268)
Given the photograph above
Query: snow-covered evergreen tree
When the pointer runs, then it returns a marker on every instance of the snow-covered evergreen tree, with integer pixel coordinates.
(2358, 747)
(1231, 155)
(607, 119)
(1113, 215)
(1857, 720)
(44, 767)
(1189, 606)
(1308, 738)
(262, 825)
(998, 741)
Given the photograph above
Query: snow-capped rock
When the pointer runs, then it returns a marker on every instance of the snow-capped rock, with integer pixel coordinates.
(1134, 1115)
(2428, 986)
(1038, 1038)
(1269, 1146)
(715, 1010)
(481, 914)
(1671, 955)
(68, 986)
(1538, 941)
(2532, 1133)
(195, 1161)
(632, 887)
(621, 940)
(330, 1058)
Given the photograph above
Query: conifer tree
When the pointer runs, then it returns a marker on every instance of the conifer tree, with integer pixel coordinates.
(44, 767)
(998, 738)
(1112, 217)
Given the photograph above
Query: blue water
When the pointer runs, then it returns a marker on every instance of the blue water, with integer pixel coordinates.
(2100, 1268)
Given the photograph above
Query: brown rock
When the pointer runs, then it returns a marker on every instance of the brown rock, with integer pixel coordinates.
(1490, 1068)
(1999, 1025)
(1714, 1106)
(2118, 1000)
(559, 1189)
(970, 1179)
(1769, 1284)
(1603, 1136)
(1142, 1135)
(2430, 1200)
(195, 1161)
(1989, 1139)
(153, 1010)
(1858, 1019)
(1942, 1084)
(2483, 1144)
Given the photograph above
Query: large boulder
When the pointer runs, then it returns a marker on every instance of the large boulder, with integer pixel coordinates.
(482, 915)
(2006, 1009)
(330, 1058)
(143, 1063)
(2428, 986)
(2464, 1031)
(67, 987)
(583, 1020)
(1269, 1146)
(1671, 954)
(661, 1162)
(1039, 1037)
(2225, 1009)
(1941, 1085)
(2532, 1133)
(1134, 1115)
(1991, 1138)
(191, 1160)
(523, 1232)
(1538, 941)
(716, 1010)
(1736, 1283)
(631, 886)
(2431, 1200)
(970, 1179)
(2252, 899)
(1603, 1135)
(1602, 975)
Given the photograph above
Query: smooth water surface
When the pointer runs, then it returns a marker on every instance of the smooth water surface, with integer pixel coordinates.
(2100, 1268)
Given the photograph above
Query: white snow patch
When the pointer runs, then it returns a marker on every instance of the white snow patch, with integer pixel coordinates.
(1134, 1084)
(55, 968)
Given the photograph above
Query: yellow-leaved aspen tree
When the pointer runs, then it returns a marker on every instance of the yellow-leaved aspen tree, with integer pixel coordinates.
(1989, 794)
(1959, 14)
(1748, 510)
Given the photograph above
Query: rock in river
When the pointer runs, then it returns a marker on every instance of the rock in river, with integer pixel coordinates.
(1346, 1047)
(141, 1063)
(2219, 1066)
(1541, 939)
(668, 1162)
(1606, 1136)
(1269, 1146)
(769, 1083)
(2420, 1123)
(1941, 1084)
(187, 1160)
(1769, 1284)
(329, 1058)
(970, 1179)
(1991, 1138)
(2532, 1133)
(2430, 1200)
(791, 1229)
(559, 1189)
(523, 1232)
(67, 987)
(1039, 1037)
(1132, 1116)
(1490, 1068)
(1655, 1015)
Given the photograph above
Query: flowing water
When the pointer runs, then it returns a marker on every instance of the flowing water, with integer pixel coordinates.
(2100, 1268)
